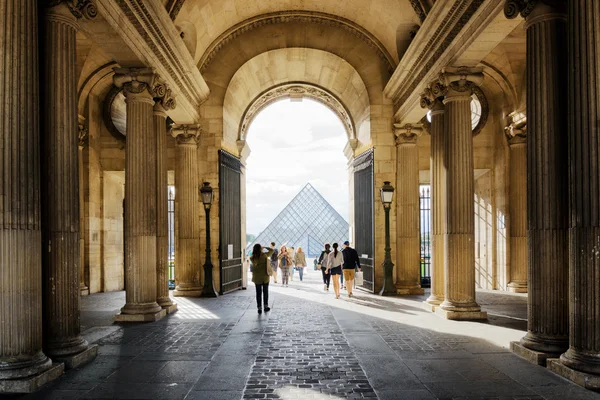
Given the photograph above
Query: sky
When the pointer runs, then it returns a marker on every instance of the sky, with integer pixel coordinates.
(292, 144)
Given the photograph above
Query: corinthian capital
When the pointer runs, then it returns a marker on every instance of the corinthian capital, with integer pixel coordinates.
(162, 94)
(135, 80)
(461, 79)
(512, 8)
(186, 134)
(79, 8)
(407, 134)
(516, 134)
(432, 93)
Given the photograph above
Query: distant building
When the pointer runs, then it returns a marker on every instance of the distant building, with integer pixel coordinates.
(308, 221)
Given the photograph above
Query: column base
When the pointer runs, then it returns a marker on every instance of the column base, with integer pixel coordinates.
(79, 359)
(429, 306)
(515, 287)
(170, 309)
(408, 290)
(84, 291)
(534, 357)
(588, 381)
(461, 315)
(149, 317)
(187, 293)
(32, 383)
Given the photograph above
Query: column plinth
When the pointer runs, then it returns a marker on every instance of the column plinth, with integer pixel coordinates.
(162, 222)
(23, 364)
(408, 240)
(438, 195)
(584, 232)
(60, 188)
(187, 259)
(517, 143)
(459, 244)
(547, 177)
(140, 196)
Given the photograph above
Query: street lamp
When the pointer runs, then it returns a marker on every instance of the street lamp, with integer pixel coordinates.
(387, 194)
(206, 193)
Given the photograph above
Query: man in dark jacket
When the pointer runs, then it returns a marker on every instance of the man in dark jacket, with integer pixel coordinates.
(274, 261)
(351, 263)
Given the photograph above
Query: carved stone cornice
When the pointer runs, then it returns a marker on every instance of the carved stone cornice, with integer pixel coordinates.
(516, 134)
(79, 8)
(82, 135)
(311, 17)
(419, 9)
(173, 8)
(407, 134)
(512, 8)
(186, 135)
(297, 89)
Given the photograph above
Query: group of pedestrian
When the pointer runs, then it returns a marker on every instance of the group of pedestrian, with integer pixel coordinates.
(286, 261)
(339, 266)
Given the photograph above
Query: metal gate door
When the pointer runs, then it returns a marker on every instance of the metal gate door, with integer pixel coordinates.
(363, 216)
(230, 222)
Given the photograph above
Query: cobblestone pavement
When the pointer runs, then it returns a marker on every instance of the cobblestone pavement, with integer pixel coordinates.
(309, 346)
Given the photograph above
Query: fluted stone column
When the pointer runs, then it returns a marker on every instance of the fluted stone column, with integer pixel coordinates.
(584, 231)
(60, 190)
(84, 290)
(140, 196)
(547, 182)
(408, 241)
(187, 260)
(459, 244)
(438, 196)
(22, 361)
(517, 203)
(162, 212)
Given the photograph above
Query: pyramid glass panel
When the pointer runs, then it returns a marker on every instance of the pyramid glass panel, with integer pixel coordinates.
(308, 221)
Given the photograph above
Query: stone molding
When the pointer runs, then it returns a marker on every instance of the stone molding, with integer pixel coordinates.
(516, 134)
(512, 8)
(186, 135)
(419, 10)
(148, 31)
(82, 135)
(297, 89)
(407, 134)
(311, 17)
(79, 8)
(173, 8)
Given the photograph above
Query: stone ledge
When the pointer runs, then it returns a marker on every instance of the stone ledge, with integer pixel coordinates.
(461, 315)
(141, 317)
(410, 291)
(588, 381)
(429, 306)
(534, 357)
(170, 309)
(79, 359)
(32, 383)
(187, 293)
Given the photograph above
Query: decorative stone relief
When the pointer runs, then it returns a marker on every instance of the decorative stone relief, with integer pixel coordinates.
(79, 8)
(83, 135)
(186, 134)
(516, 134)
(512, 8)
(297, 90)
(407, 134)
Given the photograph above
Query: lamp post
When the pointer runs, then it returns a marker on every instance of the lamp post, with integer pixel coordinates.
(206, 193)
(387, 194)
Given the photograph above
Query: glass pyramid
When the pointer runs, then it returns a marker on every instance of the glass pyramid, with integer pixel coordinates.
(308, 221)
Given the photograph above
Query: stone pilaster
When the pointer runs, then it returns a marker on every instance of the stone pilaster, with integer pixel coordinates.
(408, 241)
(517, 203)
(22, 361)
(187, 259)
(162, 219)
(140, 196)
(547, 178)
(82, 134)
(60, 190)
(459, 245)
(438, 195)
(584, 232)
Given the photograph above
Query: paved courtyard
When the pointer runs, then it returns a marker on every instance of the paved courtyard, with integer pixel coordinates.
(309, 346)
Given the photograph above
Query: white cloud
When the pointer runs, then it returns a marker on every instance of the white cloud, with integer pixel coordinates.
(293, 144)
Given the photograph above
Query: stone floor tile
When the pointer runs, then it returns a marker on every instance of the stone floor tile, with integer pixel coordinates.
(478, 389)
(565, 392)
(136, 371)
(214, 395)
(55, 394)
(523, 371)
(180, 371)
(134, 391)
(386, 372)
(405, 395)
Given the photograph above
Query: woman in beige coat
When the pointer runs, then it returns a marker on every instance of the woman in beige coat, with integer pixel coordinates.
(300, 261)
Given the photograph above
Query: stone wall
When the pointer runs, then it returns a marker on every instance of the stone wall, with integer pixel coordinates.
(112, 231)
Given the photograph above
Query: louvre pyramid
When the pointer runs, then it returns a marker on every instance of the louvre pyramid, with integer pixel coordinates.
(308, 221)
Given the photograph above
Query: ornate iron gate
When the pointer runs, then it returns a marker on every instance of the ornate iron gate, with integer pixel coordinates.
(425, 213)
(364, 216)
(230, 222)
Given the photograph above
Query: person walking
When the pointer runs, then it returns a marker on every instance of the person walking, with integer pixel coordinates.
(284, 265)
(351, 264)
(300, 262)
(334, 268)
(260, 275)
(321, 263)
(274, 261)
(292, 254)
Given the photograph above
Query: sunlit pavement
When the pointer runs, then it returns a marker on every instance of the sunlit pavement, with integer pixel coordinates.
(309, 346)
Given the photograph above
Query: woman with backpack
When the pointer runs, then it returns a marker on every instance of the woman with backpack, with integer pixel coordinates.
(260, 275)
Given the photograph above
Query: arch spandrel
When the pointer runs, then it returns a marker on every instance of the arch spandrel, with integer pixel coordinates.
(387, 20)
